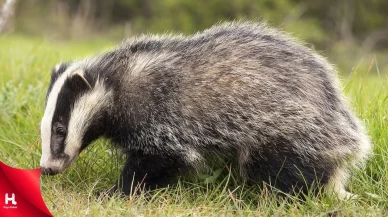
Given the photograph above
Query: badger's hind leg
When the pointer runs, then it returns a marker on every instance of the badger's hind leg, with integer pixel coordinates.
(336, 184)
(150, 171)
(340, 176)
(352, 156)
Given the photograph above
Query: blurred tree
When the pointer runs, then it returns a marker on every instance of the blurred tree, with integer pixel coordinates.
(6, 14)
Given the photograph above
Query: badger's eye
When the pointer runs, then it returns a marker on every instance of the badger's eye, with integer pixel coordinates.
(60, 132)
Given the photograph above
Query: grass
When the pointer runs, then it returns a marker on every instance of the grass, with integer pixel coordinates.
(24, 75)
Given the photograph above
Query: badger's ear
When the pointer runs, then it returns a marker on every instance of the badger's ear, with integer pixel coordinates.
(77, 81)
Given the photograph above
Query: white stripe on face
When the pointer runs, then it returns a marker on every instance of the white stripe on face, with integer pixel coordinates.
(84, 110)
(46, 123)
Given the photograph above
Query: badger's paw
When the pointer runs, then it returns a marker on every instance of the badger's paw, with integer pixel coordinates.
(345, 195)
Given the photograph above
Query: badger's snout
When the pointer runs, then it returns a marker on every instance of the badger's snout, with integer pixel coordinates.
(51, 165)
(48, 171)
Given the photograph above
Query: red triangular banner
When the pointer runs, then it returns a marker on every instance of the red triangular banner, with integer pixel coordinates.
(20, 193)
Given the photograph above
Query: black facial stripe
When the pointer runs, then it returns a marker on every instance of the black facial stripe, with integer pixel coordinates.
(55, 75)
(72, 90)
(95, 130)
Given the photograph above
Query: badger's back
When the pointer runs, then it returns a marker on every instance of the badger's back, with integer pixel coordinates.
(239, 84)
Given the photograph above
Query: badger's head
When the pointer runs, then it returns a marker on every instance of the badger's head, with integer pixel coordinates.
(74, 116)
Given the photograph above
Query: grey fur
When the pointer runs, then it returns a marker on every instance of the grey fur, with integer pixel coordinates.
(241, 91)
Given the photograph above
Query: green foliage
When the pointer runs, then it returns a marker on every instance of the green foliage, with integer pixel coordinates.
(24, 73)
(349, 31)
(323, 21)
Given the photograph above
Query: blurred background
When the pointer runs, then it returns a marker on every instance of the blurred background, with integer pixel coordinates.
(353, 34)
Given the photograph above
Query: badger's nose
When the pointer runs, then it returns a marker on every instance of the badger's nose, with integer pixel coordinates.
(48, 171)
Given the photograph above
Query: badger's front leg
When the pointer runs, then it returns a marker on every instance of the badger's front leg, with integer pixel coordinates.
(150, 171)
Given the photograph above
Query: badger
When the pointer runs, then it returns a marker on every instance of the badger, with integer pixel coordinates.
(240, 92)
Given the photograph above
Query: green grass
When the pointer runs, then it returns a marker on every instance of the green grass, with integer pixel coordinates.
(25, 66)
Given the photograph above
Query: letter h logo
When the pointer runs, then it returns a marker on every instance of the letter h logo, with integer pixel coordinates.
(12, 199)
